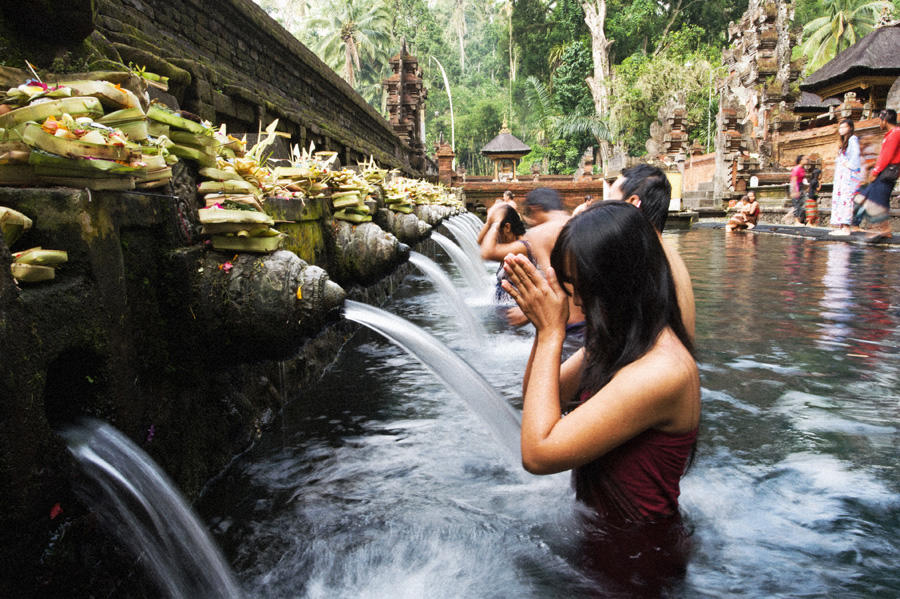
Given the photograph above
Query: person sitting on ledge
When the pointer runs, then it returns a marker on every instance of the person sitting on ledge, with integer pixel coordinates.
(746, 214)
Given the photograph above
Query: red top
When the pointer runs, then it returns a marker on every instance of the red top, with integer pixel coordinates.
(890, 151)
(639, 480)
(797, 175)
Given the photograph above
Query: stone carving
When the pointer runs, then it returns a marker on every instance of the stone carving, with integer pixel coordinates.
(364, 253)
(405, 227)
(263, 302)
(758, 92)
(406, 104)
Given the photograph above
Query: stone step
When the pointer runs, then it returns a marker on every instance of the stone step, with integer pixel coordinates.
(707, 186)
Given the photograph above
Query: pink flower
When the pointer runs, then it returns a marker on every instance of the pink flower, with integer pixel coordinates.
(55, 511)
(227, 266)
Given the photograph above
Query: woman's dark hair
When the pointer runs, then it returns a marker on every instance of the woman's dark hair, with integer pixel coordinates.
(845, 139)
(616, 264)
(799, 158)
(516, 226)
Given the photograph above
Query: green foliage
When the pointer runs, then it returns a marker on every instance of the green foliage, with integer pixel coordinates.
(570, 90)
(530, 28)
(843, 23)
(644, 83)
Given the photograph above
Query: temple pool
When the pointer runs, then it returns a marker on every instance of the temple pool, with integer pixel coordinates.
(381, 483)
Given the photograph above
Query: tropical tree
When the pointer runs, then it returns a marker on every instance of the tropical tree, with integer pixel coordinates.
(350, 33)
(458, 20)
(844, 23)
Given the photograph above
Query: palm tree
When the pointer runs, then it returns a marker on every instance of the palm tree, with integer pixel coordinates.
(845, 23)
(549, 120)
(352, 32)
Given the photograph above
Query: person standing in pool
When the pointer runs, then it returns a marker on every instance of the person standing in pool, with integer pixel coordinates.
(647, 187)
(546, 217)
(631, 397)
(503, 228)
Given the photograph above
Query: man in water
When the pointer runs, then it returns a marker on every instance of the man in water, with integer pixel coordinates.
(546, 217)
(647, 187)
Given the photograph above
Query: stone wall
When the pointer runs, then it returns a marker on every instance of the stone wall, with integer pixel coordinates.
(188, 358)
(822, 142)
(227, 61)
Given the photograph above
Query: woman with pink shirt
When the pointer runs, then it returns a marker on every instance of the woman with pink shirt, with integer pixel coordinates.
(798, 173)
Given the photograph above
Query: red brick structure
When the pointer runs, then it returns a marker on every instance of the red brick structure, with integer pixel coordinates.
(406, 97)
(482, 191)
(445, 155)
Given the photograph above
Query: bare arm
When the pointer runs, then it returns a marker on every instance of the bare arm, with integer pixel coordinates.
(569, 375)
(659, 390)
(491, 249)
(656, 391)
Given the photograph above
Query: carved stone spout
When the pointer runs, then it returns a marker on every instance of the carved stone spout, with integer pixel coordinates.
(406, 227)
(364, 253)
(262, 305)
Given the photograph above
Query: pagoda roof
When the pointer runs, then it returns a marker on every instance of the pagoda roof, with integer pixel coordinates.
(505, 143)
(874, 55)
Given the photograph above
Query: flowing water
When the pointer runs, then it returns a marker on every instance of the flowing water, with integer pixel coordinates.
(473, 272)
(465, 238)
(386, 484)
(141, 507)
(445, 286)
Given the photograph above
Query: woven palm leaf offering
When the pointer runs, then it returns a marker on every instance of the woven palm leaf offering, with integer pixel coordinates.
(191, 138)
(348, 196)
(234, 193)
(59, 135)
(37, 264)
(308, 175)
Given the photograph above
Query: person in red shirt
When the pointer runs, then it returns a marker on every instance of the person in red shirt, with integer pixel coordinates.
(798, 173)
(877, 203)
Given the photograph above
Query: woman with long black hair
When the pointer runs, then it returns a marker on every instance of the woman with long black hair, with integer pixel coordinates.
(623, 412)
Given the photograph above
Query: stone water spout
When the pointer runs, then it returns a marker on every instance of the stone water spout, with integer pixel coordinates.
(408, 228)
(364, 253)
(262, 304)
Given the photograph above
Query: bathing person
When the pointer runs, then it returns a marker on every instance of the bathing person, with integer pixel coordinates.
(746, 215)
(633, 390)
(847, 179)
(506, 200)
(505, 233)
(877, 203)
(588, 200)
(798, 173)
(648, 188)
(545, 214)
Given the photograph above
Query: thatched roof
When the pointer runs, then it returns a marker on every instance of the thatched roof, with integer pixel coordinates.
(810, 102)
(878, 53)
(505, 143)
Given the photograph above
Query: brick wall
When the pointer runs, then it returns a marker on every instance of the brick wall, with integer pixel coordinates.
(699, 169)
(823, 141)
(483, 191)
(232, 63)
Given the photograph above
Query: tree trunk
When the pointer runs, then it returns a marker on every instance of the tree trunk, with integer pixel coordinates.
(595, 19)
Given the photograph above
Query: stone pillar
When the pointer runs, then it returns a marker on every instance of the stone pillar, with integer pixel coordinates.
(445, 155)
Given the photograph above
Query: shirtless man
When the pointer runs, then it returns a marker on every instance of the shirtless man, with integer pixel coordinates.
(546, 217)
(648, 188)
